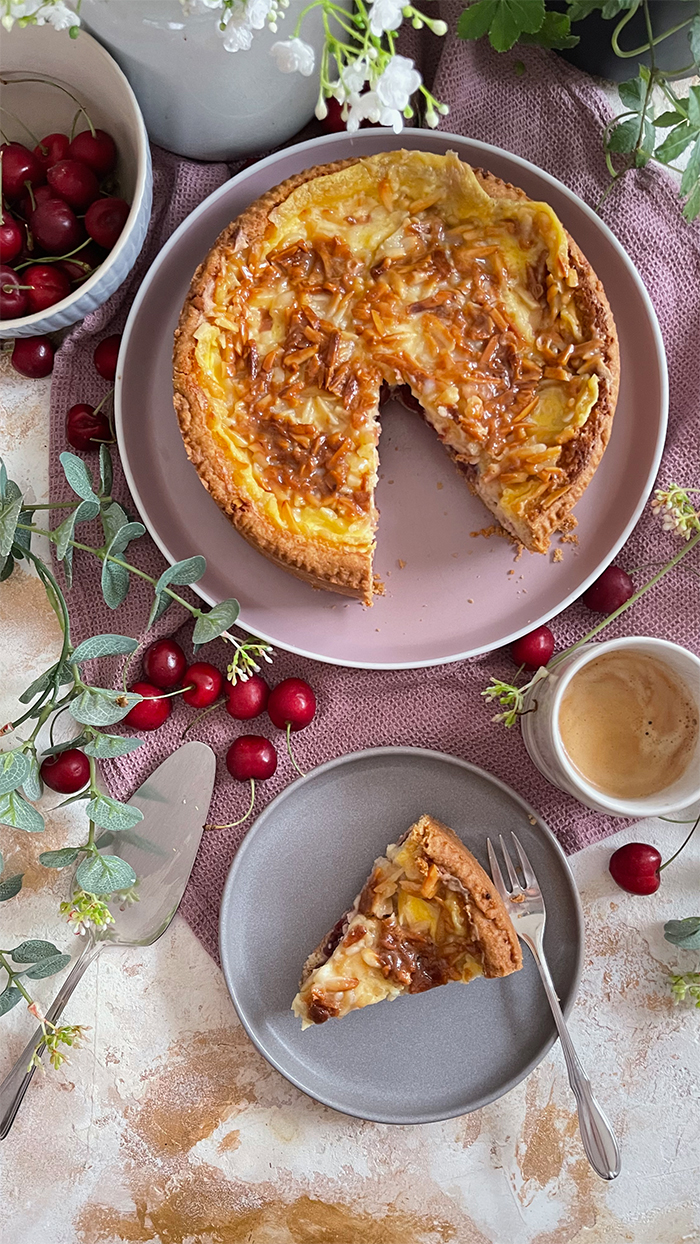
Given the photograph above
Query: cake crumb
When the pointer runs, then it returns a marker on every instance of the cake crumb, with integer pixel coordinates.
(532, 819)
(519, 552)
(401, 563)
(470, 601)
(571, 538)
(511, 572)
(495, 529)
(455, 555)
(558, 555)
(440, 486)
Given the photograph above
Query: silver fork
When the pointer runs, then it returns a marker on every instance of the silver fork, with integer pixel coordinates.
(527, 911)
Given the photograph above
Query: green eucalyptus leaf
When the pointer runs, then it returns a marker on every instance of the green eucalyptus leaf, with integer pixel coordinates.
(684, 933)
(33, 951)
(676, 142)
(65, 746)
(126, 533)
(98, 706)
(63, 534)
(47, 967)
(693, 105)
(107, 746)
(104, 646)
(32, 786)
(106, 838)
(624, 136)
(158, 608)
(109, 813)
(78, 476)
(9, 517)
(115, 584)
(3, 480)
(9, 886)
(14, 767)
(9, 998)
(113, 518)
(475, 21)
(182, 573)
(106, 473)
(210, 625)
(44, 680)
(59, 859)
(7, 568)
(103, 874)
(15, 811)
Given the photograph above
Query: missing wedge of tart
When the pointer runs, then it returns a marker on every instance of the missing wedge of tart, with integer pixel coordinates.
(428, 914)
(407, 268)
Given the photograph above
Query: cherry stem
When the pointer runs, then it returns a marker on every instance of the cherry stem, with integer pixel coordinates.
(167, 695)
(101, 404)
(233, 824)
(47, 82)
(683, 844)
(199, 716)
(291, 753)
(56, 258)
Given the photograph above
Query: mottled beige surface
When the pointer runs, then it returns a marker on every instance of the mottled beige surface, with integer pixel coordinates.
(170, 1127)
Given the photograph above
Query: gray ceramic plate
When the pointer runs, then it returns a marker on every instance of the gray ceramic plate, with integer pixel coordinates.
(424, 1057)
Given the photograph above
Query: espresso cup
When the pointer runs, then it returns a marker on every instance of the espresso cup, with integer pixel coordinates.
(542, 735)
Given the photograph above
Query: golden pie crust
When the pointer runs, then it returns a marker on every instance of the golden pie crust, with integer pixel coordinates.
(428, 914)
(403, 268)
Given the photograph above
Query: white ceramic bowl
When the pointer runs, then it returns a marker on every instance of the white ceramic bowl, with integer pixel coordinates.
(542, 736)
(90, 73)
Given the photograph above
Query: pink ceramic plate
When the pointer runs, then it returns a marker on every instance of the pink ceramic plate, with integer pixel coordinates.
(448, 594)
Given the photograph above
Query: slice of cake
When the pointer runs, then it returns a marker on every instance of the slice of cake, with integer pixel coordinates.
(428, 914)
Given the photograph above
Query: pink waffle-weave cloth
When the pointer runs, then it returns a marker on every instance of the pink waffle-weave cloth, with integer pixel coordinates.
(554, 116)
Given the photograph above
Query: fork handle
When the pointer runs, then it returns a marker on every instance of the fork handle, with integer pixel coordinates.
(18, 1078)
(597, 1136)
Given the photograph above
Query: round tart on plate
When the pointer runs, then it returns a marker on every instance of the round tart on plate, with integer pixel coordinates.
(404, 268)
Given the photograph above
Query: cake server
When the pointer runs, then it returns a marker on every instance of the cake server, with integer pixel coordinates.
(174, 801)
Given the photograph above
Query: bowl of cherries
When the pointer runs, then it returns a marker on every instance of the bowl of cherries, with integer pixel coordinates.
(76, 179)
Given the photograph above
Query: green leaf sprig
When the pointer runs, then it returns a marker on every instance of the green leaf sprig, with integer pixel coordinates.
(100, 878)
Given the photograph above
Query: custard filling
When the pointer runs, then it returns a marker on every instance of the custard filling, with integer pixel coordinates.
(399, 269)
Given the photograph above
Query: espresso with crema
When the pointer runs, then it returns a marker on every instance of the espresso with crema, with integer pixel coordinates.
(628, 724)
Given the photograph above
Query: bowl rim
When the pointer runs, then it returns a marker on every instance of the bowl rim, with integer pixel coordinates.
(142, 169)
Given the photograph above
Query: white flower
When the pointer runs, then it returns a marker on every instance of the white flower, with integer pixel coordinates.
(397, 83)
(238, 36)
(294, 56)
(257, 13)
(57, 15)
(385, 15)
(351, 81)
(365, 107)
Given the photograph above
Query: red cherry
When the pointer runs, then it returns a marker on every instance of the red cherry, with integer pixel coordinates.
(11, 240)
(52, 149)
(105, 219)
(13, 299)
(56, 227)
(86, 428)
(48, 285)
(292, 704)
(98, 151)
(83, 264)
(29, 202)
(164, 663)
(635, 867)
(206, 683)
(535, 649)
(610, 591)
(32, 357)
(248, 699)
(19, 166)
(251, 756)
(75, 182)
(105, 356)
(151, 712)
(67, 773)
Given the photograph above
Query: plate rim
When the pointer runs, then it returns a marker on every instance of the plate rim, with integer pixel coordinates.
(543, 827)
(487, 148)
